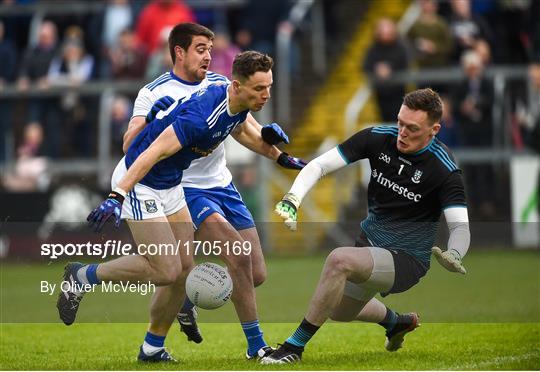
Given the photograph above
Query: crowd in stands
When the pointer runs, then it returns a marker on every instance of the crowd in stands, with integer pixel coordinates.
(127, 40)
(474, 35)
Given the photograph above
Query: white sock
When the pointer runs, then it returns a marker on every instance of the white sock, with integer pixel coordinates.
(149, 349)
(81, 275)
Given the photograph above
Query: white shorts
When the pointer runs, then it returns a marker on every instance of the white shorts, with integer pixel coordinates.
(144, 202)
(381, 279)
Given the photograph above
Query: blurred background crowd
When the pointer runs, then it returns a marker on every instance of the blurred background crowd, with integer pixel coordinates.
(63, 62)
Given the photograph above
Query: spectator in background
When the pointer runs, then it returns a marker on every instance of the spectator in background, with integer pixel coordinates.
(37, 59)
(120, 115)
(34, 69)
(160, 60)
(73, 66)
(117, 17)
(449, 133)
(528, 111)
(430, 37)
(260, 20)
(223, 54)
(466, 29)
(386, 56)
(30, 170)
(484, 51)
(128, 61)
(473, 103)
(8, 56)
(156, 16)
(70, 69)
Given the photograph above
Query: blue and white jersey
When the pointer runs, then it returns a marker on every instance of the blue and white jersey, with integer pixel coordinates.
(201, 124)
(207, 172)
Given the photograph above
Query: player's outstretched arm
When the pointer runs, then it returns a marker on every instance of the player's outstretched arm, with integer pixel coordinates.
(262, 140)
(137, 123)
(164, 146)
(458, 241)
(135, 126)
(327, 163)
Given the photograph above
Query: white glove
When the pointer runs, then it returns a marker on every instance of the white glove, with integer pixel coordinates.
(287, 209)
(450, 260)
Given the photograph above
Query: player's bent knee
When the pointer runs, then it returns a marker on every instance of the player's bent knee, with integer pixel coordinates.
(238, 262)
(168, 275)
(337, 261)
(259, 276)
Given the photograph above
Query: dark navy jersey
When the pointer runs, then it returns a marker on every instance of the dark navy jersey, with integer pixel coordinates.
(406, 192)
(201, 123)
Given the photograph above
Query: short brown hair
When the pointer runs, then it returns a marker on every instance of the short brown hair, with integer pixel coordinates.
(425, 100)
(182, 35)
(249, 62)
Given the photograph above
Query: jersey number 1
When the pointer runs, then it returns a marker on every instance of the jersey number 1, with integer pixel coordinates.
(400, 169)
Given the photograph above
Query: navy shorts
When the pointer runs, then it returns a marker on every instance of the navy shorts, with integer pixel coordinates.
(407, 270)
(223, 200)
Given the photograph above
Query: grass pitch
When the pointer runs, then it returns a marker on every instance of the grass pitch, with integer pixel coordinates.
(486, 320)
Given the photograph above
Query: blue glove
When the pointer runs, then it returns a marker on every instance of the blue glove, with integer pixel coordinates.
(161, 104)
(111, 206)
(273, 134)
(290, 162)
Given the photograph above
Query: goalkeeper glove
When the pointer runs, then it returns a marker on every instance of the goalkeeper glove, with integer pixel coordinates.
(112, 206)
(273, 134)
(161, 104)
(287, 209)
(449, 259)
(290, 162)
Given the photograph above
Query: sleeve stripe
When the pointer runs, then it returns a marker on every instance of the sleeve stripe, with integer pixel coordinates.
(161, 82)
(448, 165)
(157, 80)
(454, 206)
(443, 152)
(216, 111)
(342, 154)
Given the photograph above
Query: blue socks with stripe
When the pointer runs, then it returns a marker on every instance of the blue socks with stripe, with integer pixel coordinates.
(87, 274)
(303, 334)
(254, 336)
(152, 343)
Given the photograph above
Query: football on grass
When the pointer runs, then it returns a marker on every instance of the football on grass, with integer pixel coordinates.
(209, 286)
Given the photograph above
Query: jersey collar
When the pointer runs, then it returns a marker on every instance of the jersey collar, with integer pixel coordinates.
(424, 149)
(184, 81)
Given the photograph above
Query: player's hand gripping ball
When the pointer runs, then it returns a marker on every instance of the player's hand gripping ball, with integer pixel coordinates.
(209, 286)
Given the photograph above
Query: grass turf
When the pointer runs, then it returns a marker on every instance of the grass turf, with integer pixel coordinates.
(488, 319)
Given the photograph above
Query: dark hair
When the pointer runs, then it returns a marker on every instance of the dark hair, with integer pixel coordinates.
(182, 35)
(425, 100)
(249, 62)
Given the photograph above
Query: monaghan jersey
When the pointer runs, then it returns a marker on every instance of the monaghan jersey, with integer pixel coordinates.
(406, 192)
(201, 124)
(206, 172)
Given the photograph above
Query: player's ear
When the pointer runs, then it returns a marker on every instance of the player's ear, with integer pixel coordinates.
(236, 86)
(179, 52)
(435, 129)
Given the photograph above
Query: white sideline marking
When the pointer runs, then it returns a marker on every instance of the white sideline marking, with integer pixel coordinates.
(496, 360)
